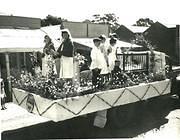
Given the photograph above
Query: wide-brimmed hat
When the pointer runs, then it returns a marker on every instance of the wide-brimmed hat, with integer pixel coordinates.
(113, 35)
(113, 40)
(96, 40)
(47, 36)
(65, 31)
(102, 37)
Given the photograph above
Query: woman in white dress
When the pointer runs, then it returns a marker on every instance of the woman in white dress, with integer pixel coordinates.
(104, 47)
(112, 50)
(48, 62)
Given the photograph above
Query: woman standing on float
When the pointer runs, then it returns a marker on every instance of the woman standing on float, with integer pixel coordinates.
(65, 53)
(112, 53)
(103, 47)
(48, 61)
(104, 60)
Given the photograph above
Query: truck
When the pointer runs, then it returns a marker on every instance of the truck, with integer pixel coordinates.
(113, 100)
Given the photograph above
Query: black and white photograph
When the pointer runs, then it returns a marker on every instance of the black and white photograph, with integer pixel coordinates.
(79, 69)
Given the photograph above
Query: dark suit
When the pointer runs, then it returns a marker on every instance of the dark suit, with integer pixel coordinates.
(67, 50)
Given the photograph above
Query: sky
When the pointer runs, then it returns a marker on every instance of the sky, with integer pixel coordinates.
(128, 11)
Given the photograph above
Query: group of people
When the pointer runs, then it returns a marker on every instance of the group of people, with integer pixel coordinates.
(103, 56)
(60, 61)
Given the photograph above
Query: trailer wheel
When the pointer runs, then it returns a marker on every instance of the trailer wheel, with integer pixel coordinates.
(123, 115)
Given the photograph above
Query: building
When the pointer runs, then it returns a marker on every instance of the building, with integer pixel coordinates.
(125, 34)
(19, 22)
(174, 33)
(86, 30)
(165, 39)
(137, 29)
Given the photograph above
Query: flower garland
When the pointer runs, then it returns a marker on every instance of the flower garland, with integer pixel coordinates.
(80, 58)
(55, 88)
(52, 87)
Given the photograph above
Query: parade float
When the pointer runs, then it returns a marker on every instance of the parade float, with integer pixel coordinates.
(142, 76)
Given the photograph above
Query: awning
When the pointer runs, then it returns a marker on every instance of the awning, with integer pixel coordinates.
(18, 40)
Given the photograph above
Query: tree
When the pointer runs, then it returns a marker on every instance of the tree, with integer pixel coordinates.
(144, 22)
(110, 19)
(52, 20)
(141, 40)
(87, 21)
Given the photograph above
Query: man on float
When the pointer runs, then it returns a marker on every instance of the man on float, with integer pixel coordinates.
(96, 62)
(104, 47)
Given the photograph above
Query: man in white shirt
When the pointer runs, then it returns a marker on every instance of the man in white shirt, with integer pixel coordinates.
(96, 65)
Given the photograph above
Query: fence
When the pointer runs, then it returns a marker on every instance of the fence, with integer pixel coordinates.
(136, 62)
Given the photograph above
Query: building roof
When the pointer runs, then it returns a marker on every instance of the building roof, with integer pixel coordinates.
(124, 33)
(170, 25)
(136, 29)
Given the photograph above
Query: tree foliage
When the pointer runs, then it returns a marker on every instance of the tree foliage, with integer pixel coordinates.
(146, 22)
(87, 21)
(141, 40)
(110, 19)
(52, 20)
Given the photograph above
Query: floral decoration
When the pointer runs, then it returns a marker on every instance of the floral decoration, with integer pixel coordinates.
(52, 87)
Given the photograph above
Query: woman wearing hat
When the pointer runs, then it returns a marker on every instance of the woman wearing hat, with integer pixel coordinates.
(96, 63)
(65, 53)
(112, 50)
(48, 62)
(103, 47)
